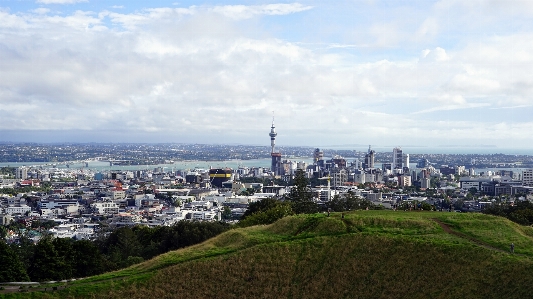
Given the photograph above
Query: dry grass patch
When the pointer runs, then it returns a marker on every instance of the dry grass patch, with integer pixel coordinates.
(348, 266)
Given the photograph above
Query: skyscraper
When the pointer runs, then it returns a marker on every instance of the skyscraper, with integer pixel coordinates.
(397, 158)
(369, 158)
(317, 155)
(21, 173)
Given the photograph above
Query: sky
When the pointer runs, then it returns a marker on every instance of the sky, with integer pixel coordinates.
(448, 73)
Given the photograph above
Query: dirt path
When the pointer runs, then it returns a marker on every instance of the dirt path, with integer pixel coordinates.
(45, 288)
(34, 288)
(448, 230)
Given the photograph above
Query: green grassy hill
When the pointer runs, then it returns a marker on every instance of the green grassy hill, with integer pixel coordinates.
(366, 254)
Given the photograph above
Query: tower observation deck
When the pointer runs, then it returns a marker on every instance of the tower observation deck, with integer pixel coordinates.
(273, 135)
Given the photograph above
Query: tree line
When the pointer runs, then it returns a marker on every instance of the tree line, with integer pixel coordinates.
(520, 212)
(62, 258)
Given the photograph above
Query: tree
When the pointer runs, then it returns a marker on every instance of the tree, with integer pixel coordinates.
(349, 202)
(271, 215)
(226, 213)
(260, 206)
(300, 196)
(121, 244)
(65, 252)
(12, 268)
(265, 211)
(520, 212)
(24, 247)
(46, 264)
(472, 190)
(248, 192)
(87, 259)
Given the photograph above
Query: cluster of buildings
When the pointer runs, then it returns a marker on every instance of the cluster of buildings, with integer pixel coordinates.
(79, 206)
(81, 203)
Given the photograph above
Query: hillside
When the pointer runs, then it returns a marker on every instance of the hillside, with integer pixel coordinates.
(366, 254)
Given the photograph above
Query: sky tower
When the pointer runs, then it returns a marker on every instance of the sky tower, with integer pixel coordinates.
(273, 135)
(276, 157)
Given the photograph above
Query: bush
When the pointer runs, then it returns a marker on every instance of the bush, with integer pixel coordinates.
(271, 215)
(521, 212)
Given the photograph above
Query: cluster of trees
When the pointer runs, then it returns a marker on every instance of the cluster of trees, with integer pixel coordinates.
(265, 211)
(59, 258)
(8, 171)
(350, 202)
(416, 205)
(520, 212)
(45, 187)
(300, 200)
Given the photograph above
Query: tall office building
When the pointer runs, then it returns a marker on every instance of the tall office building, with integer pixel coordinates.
(422, 163)
(219, 176)
(21, 173)
(397, 158)
(527, 177)
(318, 155)
(369, 158)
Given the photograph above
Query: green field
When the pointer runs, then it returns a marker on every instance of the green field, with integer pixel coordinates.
(366, 254)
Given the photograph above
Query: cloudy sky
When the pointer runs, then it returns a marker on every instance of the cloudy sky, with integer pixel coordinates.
(407, 73)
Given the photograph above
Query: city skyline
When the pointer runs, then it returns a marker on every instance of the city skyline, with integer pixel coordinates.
(386, 73)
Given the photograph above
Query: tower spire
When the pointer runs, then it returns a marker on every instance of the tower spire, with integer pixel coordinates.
(273, 134)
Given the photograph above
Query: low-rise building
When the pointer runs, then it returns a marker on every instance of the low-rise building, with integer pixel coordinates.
(20, 210)
(108, 207)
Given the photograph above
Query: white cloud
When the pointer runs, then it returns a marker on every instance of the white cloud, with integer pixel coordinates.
(436, 55)
(452, 107)
(176, 71)
(236, 12)
(513, 107)
(245, 12)
(501, 7)
(60, 1)
(41, 10)
(428, 28)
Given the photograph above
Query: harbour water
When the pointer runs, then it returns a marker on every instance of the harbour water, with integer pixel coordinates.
(100, 166)
(177, 165)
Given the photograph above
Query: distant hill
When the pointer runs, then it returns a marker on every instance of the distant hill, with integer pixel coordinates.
(365, 254)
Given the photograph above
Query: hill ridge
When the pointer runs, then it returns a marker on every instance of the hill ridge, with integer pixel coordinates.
(372, 246)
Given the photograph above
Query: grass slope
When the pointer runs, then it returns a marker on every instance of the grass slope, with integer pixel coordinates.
(366, 254)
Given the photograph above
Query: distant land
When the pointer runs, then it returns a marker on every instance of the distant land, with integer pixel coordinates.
(50, 152)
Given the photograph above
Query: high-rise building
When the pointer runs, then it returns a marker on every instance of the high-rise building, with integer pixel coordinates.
(339, 162)
(425, 183)
(527, 177)
(404, 180)
(301, 165)
(397, 158)
(276, 157)
(339, 177)
(369, 158)
(218, 176)
(318, 155)
(21, 173)
(422, 163)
